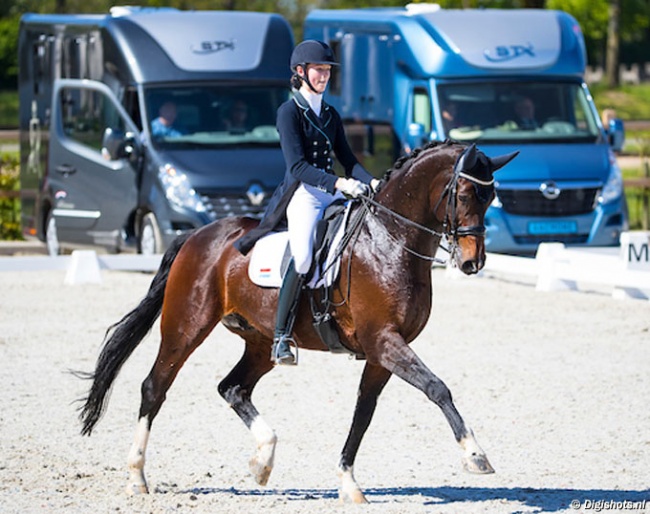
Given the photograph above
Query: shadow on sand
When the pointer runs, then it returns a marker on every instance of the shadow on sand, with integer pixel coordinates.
(541, 500)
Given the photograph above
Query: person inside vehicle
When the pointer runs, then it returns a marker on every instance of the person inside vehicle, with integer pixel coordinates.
(525, 114)
(237, 119)
(310, 130)
(163, 125)
(450, 119)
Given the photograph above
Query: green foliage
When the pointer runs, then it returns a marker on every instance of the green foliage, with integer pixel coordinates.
(9, 109)
(631, 102)
(9, 201)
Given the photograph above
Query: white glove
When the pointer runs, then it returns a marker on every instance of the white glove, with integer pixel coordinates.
(352, 187)
(374, 184)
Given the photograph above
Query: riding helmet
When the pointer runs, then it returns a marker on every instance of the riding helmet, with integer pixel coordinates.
(312, 52)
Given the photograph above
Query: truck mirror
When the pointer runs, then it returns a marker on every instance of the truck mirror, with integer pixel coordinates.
(416, 135)
(118, 145)
(616, 134)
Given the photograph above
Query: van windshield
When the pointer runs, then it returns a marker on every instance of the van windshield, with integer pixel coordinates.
(213, 115)
(517, 112)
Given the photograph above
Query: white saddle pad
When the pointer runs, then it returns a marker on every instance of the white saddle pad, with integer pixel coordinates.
(268, 255)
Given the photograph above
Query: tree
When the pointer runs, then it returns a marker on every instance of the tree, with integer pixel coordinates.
(613, 43)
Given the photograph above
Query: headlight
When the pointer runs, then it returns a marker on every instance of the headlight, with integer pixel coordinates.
(178, 188)
(613, 188)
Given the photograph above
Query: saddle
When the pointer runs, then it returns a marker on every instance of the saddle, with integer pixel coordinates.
(271, 255)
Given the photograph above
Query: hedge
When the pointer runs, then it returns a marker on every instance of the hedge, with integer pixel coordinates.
(9, 198)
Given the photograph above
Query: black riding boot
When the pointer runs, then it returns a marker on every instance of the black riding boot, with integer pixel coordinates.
(286, 315)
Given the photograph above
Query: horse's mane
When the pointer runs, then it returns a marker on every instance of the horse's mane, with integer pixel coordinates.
(406, 161)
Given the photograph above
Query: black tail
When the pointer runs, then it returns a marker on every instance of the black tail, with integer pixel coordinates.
(122, 338)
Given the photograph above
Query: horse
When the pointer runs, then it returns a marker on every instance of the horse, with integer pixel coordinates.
(440, 190)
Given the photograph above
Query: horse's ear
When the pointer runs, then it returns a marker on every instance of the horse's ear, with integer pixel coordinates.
(501, 160)
(467, 160)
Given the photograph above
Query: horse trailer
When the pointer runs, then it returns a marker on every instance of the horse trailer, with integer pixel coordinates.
(95, 171)
(419, 73)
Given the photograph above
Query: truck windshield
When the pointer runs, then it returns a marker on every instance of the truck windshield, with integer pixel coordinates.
(213, 115)
(517, 111)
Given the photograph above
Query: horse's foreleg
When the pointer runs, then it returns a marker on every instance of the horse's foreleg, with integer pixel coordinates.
(373, 380)
(237, 389)
(397, 357)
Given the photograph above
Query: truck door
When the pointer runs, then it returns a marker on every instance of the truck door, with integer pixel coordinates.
(367, 85)
(92, 195)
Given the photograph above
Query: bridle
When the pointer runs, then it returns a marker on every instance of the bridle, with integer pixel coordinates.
(450, 229)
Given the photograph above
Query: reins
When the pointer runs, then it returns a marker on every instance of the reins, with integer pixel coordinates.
(368, 201)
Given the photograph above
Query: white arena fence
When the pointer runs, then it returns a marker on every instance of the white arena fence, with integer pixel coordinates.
(625, 270)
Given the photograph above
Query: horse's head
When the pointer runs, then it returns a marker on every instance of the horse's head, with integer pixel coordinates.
(468, 195)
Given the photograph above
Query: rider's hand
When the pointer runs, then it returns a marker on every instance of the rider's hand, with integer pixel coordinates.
(374, 184)
(351, 187)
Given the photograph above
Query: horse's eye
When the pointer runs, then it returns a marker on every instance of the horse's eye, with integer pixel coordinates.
(464, 199)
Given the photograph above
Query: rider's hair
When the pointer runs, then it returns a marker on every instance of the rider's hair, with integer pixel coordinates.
(296, 81)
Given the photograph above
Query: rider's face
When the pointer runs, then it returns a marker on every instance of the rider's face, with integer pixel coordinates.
(319, 76)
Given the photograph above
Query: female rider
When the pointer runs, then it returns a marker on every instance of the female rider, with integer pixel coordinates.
(310, 130)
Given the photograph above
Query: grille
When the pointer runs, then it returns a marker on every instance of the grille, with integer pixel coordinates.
(529, 202)
(224, 205)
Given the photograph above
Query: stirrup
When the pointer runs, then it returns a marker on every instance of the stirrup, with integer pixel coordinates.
(287, 358)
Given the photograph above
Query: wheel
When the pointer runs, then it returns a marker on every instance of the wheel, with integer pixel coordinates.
(51, 237)
(150, 241)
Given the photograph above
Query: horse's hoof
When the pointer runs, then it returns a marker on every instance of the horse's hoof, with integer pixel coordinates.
(354, 496)
(349, 491)
(477, 464)
(261, 473)
(136, 489)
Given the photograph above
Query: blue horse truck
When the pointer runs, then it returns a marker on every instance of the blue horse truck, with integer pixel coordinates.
(419, 73)
(94, 171)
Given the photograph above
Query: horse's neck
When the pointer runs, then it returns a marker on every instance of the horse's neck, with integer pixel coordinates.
(410, 194)
(388, 244)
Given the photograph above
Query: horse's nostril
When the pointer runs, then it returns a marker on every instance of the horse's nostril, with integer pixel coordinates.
(470, 267)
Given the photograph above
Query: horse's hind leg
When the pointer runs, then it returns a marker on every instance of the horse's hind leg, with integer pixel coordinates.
(177, 344)
(373, 380)
(237, 389)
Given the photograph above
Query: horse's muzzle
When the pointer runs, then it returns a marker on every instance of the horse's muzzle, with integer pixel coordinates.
(472, 266)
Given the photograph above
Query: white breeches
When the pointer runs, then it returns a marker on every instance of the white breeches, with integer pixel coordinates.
(305, 208)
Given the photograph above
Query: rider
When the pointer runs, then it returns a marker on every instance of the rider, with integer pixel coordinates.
(310, 130)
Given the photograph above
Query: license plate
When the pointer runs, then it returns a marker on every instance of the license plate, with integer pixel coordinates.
(552, 227)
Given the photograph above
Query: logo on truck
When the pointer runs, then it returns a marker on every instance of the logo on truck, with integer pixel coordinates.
(550, 190)
(508, 53)
(210, 47)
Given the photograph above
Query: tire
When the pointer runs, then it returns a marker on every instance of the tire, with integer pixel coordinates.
(51, 237)
(150, 241)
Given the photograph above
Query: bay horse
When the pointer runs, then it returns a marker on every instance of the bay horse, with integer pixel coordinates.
(440, 190)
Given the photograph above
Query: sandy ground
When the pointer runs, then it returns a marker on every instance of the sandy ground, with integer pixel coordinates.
(555, 386)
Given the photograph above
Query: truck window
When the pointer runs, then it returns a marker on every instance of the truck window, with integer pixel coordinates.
(213, 115)
(132, 106)
(517, 112)
(375, 146)
(86, 114)
(41, 59)
(422, 109)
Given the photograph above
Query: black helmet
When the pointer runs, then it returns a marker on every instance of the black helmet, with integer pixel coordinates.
(312, 52)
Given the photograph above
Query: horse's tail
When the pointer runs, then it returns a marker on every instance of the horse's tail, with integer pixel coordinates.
(122, 338)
